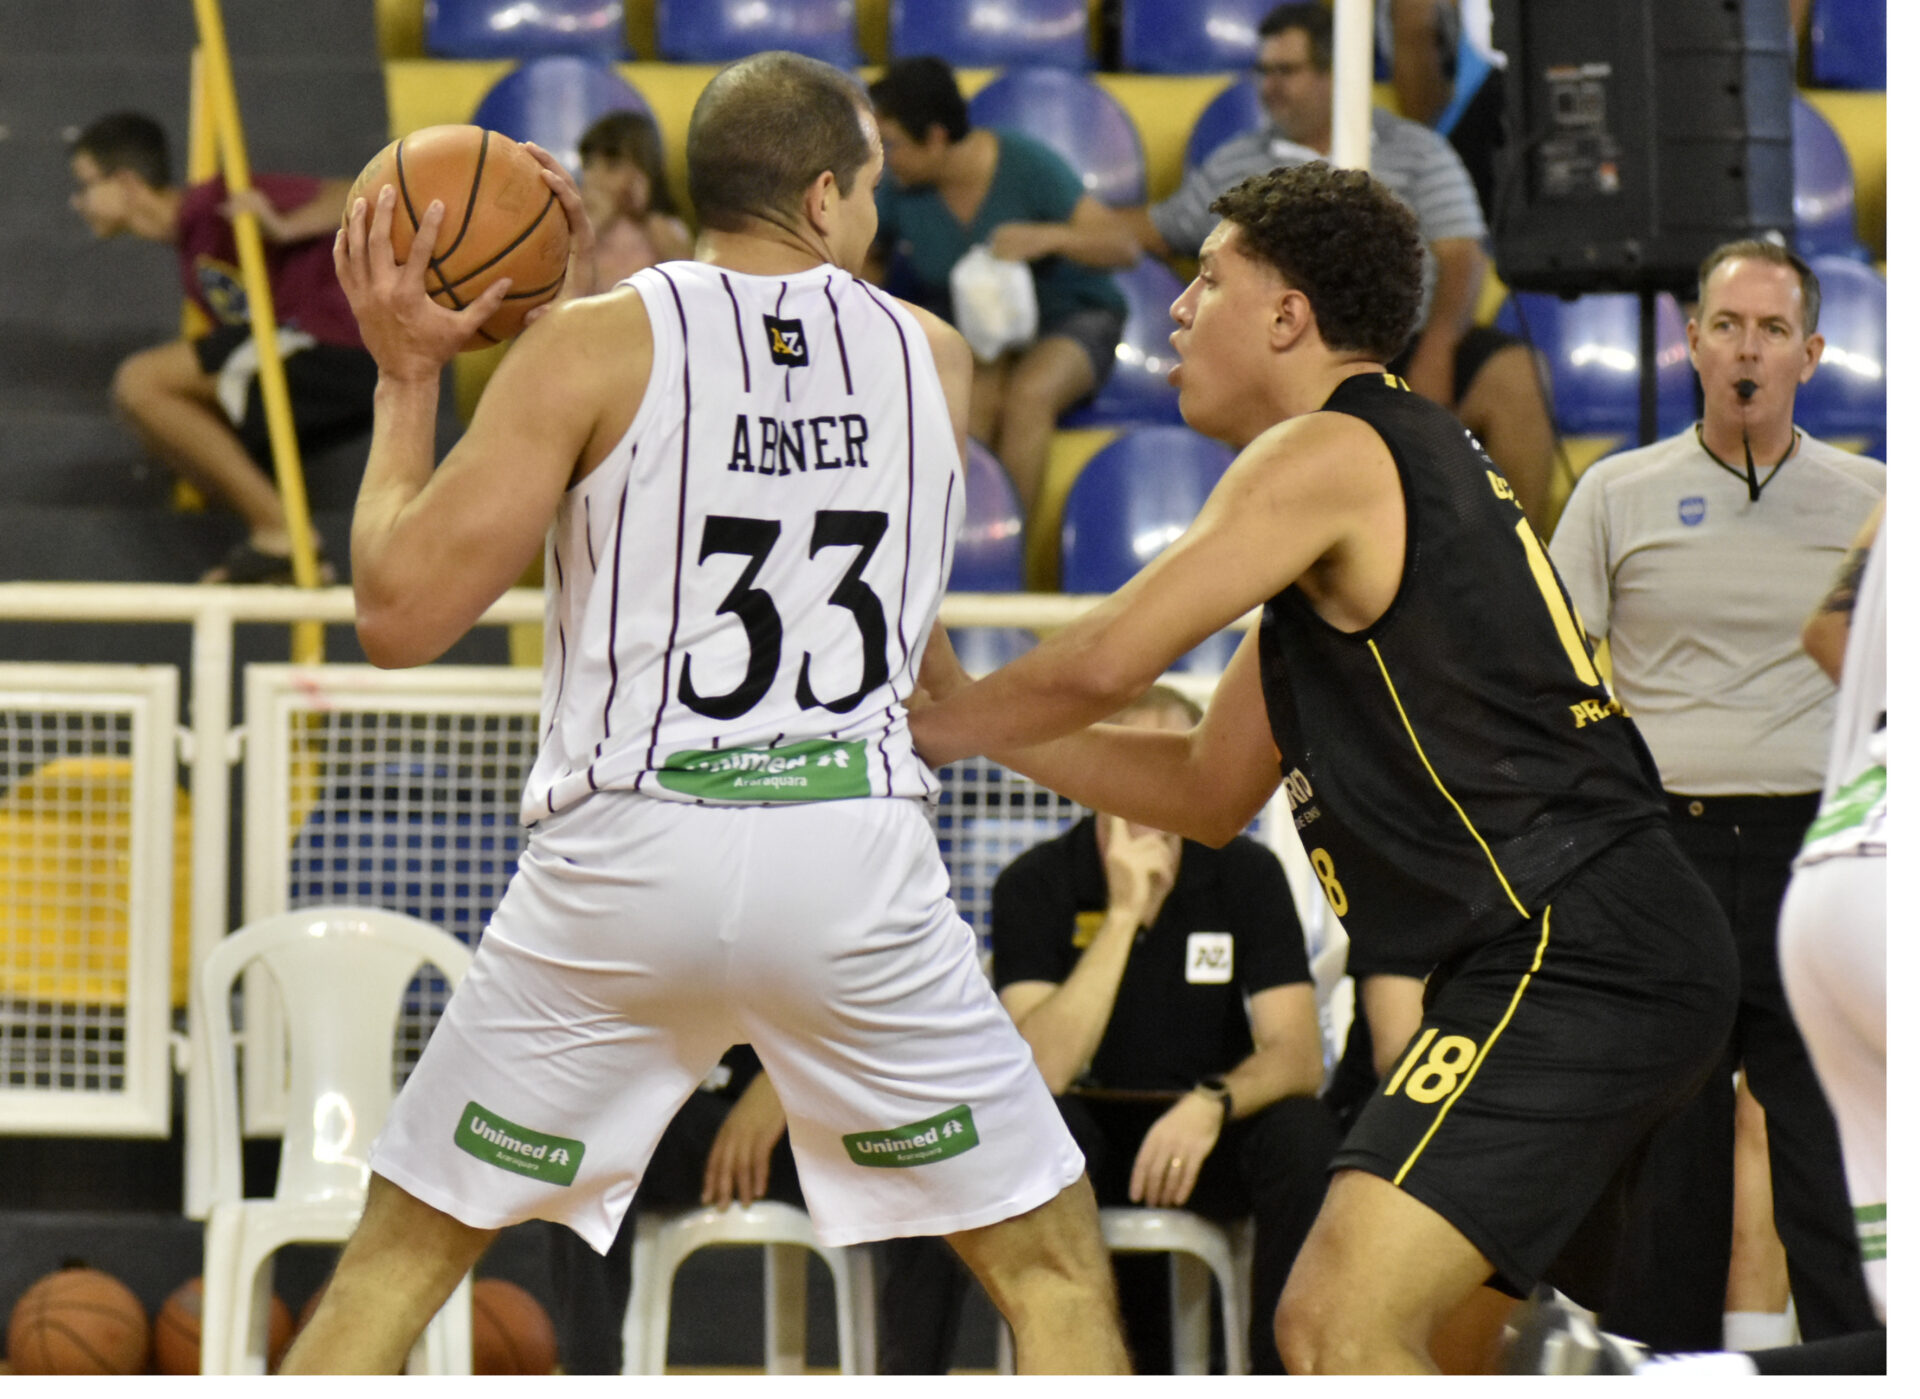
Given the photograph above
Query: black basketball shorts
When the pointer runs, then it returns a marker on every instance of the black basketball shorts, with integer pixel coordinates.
(329, 389)
(1547, 1055)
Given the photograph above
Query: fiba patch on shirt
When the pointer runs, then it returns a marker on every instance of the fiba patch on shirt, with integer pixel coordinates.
(786, 341)
(1209, 958)
(1693, 509)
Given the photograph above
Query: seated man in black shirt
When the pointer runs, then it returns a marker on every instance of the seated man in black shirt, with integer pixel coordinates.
(1164, 988)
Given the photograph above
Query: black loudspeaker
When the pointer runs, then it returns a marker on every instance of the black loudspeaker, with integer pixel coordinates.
(1641, 134)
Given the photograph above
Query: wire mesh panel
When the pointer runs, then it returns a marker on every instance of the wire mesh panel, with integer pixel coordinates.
(388, 790)
(401, 790)
(87, 807)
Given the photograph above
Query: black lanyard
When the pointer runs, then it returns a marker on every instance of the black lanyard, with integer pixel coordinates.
(1754, 484)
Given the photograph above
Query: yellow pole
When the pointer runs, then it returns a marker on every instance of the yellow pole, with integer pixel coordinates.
(308, 637)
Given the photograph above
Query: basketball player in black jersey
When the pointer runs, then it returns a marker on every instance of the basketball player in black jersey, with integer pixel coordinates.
(1471, 797)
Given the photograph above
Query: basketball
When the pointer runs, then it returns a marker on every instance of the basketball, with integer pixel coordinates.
(512, 1334)
(501, 220)
(176, 1331)
(78, 1321)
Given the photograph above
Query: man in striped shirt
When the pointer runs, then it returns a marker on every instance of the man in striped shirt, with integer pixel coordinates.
(1483, 375)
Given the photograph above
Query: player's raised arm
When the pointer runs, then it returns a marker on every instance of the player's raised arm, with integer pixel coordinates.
(432, 549)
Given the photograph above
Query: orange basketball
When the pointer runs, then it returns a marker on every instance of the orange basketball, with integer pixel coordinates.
(78, 1321)
(176, 1331)
(512, 1334)
(501, 220)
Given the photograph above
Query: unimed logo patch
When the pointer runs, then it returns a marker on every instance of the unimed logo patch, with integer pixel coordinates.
(512, 1147)
(917, 1143)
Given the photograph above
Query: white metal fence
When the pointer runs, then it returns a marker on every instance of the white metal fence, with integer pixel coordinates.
(393, 789)
(86, 897)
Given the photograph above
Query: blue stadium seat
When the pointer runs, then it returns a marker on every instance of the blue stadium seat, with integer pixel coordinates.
(1823, 210)
(1237, 109)
(1190, 36)
(1134, 497)
(526, 28)
(991, 554)
(1848, 43)
(1592, 348)
(553, 100)
(1847, 396)
(1137, 391)
(719, 31)
(1073, 115)
(992, 33)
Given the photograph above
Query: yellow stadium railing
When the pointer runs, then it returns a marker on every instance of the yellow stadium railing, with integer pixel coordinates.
(215, 101)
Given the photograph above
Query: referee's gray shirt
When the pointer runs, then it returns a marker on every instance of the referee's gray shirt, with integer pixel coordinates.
(1413, 161)
(1702, 594)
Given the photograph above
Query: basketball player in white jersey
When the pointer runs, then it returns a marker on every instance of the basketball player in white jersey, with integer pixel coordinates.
(747, 476)
(1833, 922)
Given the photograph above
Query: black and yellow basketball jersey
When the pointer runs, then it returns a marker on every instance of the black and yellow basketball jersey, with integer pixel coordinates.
(1452, 764)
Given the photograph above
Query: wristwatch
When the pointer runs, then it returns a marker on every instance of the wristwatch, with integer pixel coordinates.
(1215, 1087)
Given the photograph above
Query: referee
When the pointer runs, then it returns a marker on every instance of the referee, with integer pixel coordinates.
(1695, 557)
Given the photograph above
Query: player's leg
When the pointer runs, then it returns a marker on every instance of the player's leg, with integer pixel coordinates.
(403, 1261)
(1757, 1290)
(169, 400)
(1044, 381)
(1048, 1273)
(1544, 1058)
(1377, 1275)
(1833, 941)
(913, 1105)
(1281, 1155)
(1501, 404)
(1811, 1206)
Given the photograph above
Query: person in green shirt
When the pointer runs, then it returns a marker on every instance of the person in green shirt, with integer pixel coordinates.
(950, 185)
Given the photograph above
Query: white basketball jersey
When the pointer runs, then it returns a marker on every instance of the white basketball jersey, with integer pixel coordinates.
(738, 597)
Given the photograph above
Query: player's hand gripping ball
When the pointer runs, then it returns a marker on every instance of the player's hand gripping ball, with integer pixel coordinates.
(501, 220)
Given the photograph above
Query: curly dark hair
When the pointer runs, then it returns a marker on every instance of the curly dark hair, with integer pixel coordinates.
(1342, 238)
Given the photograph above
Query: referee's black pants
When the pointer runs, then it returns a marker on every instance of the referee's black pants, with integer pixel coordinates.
(1670, 1283)
(1271, 1165)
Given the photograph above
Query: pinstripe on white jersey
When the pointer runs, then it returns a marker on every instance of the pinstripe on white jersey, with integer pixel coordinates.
(738, 597)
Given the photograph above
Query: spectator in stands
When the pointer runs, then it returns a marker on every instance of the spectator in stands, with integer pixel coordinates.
(623, 182)
(195, 403)
(1164, 989)
(729, 1142)
(1489, 379)
(1694, 558)
(951, 185)
(1428, 37)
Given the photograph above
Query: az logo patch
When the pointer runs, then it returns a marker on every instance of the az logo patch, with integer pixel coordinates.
(1209, 958)
(786, 341)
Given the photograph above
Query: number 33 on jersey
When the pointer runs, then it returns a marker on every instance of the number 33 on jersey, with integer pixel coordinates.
(740, 594)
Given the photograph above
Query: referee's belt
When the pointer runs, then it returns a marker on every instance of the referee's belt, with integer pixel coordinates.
(1798, 809)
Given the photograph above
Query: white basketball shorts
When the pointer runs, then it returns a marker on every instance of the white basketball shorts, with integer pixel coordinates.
(640, 938)
(1833, 962)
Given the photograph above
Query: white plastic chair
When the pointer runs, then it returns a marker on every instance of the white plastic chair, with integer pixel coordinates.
(662, 1242)
(341, 973)
(1195, 1247)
